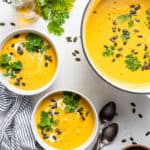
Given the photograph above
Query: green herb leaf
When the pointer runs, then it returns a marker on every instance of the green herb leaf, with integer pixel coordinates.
(10, 72)
(45, 12)
(5, 60)
(132, 62)
(148, 15)
(148, 19)
(44, 48)
(33, 43)
(56, 11)
(16, 66)
(68, 94)
(43, 2)
(148, 12)
(55, 28)
(71, 101)
(67, 100)
(76, 97)
(125, 37)
(146, 54)
(131, 23)
(123, 18)
(109, 51)
(47, 122)
(69, 109)
(10, 67)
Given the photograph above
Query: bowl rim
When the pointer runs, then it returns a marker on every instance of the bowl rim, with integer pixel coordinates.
(108, 81)
(89, 140)
(136, 145)
(44, 87)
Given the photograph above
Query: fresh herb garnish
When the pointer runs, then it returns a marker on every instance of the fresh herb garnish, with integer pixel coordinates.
(10, 67)
(56, 12)
(13, 68)
(132, 62)
(148, 15)
(5, 60)
(44, 48)
(125, 37)
(131, 23)
(109, 51)
(34, 43)
(71, 101)
(148, 11)
(146, 54)
(128, 17)
(46, 121)
(123, 18)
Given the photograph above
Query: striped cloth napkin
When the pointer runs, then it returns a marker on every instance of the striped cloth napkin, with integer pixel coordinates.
(15, 129)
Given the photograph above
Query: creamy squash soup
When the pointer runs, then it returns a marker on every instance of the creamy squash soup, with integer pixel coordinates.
(64, 120)
(117, 40)
(28, 61)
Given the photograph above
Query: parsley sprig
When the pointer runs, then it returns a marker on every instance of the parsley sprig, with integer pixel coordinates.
(71, 101)
(35, 43)
(126, 17)
(47, 122)
(11, 67)
(132, 62)
(56, 12)
(123, 18)
(109, 51)
(125, 37)
(131, 23)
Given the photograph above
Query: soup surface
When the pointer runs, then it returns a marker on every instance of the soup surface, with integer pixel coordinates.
(117, 40)
(64, 121)
(28, 61)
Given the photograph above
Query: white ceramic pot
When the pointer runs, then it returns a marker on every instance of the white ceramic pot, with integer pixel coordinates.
(128, 87)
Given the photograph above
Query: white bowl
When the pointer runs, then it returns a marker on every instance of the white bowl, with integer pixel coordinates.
(88, 143)
(14, 89)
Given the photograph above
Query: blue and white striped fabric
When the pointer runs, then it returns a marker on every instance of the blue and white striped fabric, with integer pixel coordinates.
(15, 129)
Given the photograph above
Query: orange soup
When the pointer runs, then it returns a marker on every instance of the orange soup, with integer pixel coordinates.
(117, 40)
(28, 61)
(64, 121)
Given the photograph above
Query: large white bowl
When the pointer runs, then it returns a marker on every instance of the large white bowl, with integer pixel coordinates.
(89, 141)
(128, 87)
(14, 89)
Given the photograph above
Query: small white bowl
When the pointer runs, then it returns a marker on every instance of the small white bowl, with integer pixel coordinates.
(14, 89)
(88, 143)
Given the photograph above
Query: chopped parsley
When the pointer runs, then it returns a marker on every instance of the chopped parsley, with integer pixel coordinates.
(132, 62)
(148, 15)
(11, 67)
(109, 51)
(125, 37)
(148, 11)
(146, 54)
(35, 43)
(71, 102)
(47, 122)
(5, 60)
(56, 12)
(123, 18)
(131, 23)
